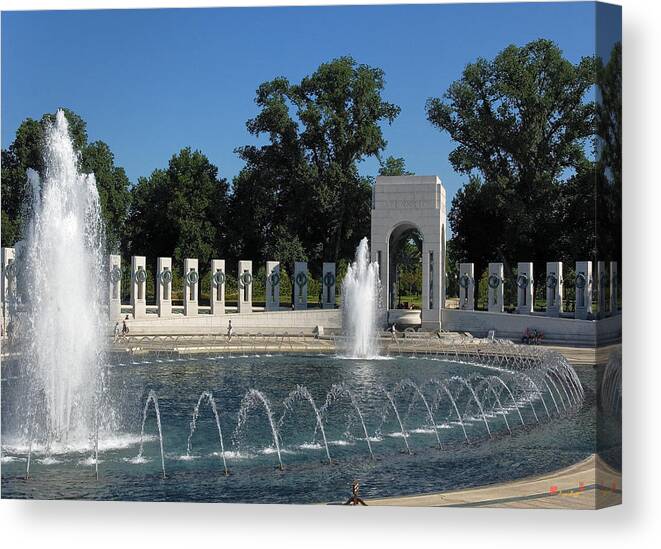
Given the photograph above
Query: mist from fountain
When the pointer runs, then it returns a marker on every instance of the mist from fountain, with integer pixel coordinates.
(61, 327)
(361, 289)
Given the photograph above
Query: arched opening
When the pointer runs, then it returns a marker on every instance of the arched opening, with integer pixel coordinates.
(405, 269)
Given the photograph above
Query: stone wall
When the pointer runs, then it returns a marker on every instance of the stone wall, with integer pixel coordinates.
(268, 322)
(555, 329)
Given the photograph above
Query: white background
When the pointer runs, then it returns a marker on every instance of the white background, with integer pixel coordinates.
(129, 525)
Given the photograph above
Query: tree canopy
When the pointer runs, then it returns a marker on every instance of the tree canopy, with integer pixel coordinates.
(393, 166)
(541, 155)
(306, 178)
(179, 211)
(26, 152)
(522, 123)
(609, 151)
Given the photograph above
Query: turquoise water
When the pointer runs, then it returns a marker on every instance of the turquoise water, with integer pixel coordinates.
(307, 477)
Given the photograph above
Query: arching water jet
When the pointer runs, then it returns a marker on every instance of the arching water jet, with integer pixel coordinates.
(151, 397)
(301, 392)
(208, 397)
(250, 399)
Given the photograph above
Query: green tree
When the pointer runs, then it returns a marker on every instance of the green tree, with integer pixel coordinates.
(26, 151)
(179, 211)
(394, 166)
(452, 269)
(609, 155)
(288, 249)
(113, 187)
(318, 131)
(408, 258)
(522, 123)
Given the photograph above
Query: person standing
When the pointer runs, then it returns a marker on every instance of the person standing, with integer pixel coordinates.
(393, 331)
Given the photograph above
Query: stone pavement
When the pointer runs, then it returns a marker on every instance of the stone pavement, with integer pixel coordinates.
(589, 484)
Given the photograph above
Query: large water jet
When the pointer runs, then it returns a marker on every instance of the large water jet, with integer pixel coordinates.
(361, 291)
(62, 321)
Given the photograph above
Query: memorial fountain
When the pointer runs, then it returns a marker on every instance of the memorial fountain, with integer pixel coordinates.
(396, 423)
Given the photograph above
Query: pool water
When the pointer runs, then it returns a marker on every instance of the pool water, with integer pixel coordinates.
(518, 446)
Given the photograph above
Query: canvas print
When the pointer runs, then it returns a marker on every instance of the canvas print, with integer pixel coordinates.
(361, 255)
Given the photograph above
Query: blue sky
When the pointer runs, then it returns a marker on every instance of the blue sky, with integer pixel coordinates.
(149, 82)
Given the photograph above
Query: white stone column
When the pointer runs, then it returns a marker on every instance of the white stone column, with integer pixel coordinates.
(217, 287)
(164, 286)
(301, 285)
(613, 287)
(114, 287)
(328, 277)
(432, 277)
(496, 292)
(583, 290)
(554, 288)
(524, 285)
(467, 286)
(244, 283)
(425, 293)
(8, 281)
(139, 286)
(191, 287)
(272, 287)
(380, 255)
(601, 289)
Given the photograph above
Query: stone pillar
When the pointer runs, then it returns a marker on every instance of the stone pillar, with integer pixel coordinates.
(427, 274)
(191, 287)
(300, 285)
(583, 290)
(164, 286)
(601, 289)
(328, 286)
(217, 287)
(139, 286)
(272, 285)
(381, 259)
(244, 284)
(8, 281)
(114, 287)
(554, 288)
(613, 287)
(524, 285)
(496, 291)
(466, 286)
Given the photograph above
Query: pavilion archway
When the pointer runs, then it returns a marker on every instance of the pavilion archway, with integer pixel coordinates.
(411, 203)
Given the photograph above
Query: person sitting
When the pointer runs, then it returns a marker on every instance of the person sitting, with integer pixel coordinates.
(355, 499)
